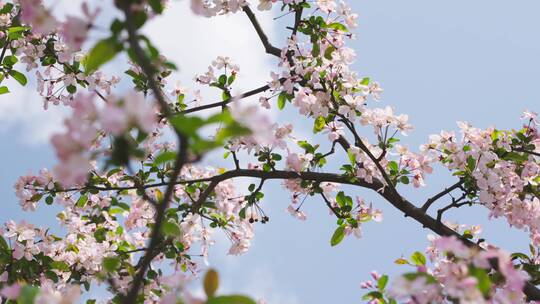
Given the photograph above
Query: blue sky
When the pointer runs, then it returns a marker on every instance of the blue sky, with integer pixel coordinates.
(439, 62)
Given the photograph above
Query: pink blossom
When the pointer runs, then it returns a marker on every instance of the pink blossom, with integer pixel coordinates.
(296, 213)
(72, 171)
(11, 292)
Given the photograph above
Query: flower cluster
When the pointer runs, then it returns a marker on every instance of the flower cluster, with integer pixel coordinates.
(457, 274)
(500, 169)
(463, 275)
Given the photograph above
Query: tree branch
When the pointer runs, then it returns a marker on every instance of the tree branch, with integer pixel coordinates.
(181, 158)
(431, 200)
(526, 151)
(227, 101)
(268, 47)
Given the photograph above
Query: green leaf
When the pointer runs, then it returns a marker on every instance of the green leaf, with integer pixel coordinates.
(328, 52)
(365, 81)
(111, 264)
(10, 60)
(373, 295)
(156, 6)
(165, 157)
(337, 26)
(516, 157)
(471, 163)
(393, 166)
(51, 275)
(404, 180)
(19, 77)
(3, 243)
(4, 90)
(6, 8)
(232, 299)
(71, 89)
(381, 283)
(231, 79)
(170, 229)
(233, 130)
(319, 124)
(16, 32)
(401, 261)
(27, 295)
(338, 236)
(187, 125)
(222, 80)
(101, 53)
(340, 198)
(62, 266)
(282, 99)
(484, 283)
(211, 283)
(116, 27)
(418, 258)
(411, 276)
(18, 29)
(81, 202)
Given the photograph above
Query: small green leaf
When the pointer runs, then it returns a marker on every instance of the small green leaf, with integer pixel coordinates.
(71, 89)
(381, 283)
(18, 29)
(111, 264)
(19, 77)
(62, 266)
(337, 26)
(471, 163)
(319, 124)
(81, 202)
(170, 229)
(401, 261)
(484, 283)
(404, 180)
(27, 295)
(211, 283)
(393, 166)
(232, 130)
(338, 236)
(222, 80)
(165, 157)
(4, 90)
(328, 52)
(6, 8)
(372, 295)
(156, 6)
(231, 79)
(102, 52)
(232, 299)
(282, 99)
(10, 60)
(418, 258)
(365, 81)
(3, 243)
(187, 125)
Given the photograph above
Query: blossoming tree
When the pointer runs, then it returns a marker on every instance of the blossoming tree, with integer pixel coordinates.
(140, 206)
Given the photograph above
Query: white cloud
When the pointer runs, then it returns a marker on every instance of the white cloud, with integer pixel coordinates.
(22, 113)
(192, 42)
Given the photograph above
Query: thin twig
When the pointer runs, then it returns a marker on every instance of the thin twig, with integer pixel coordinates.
(431, 200)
